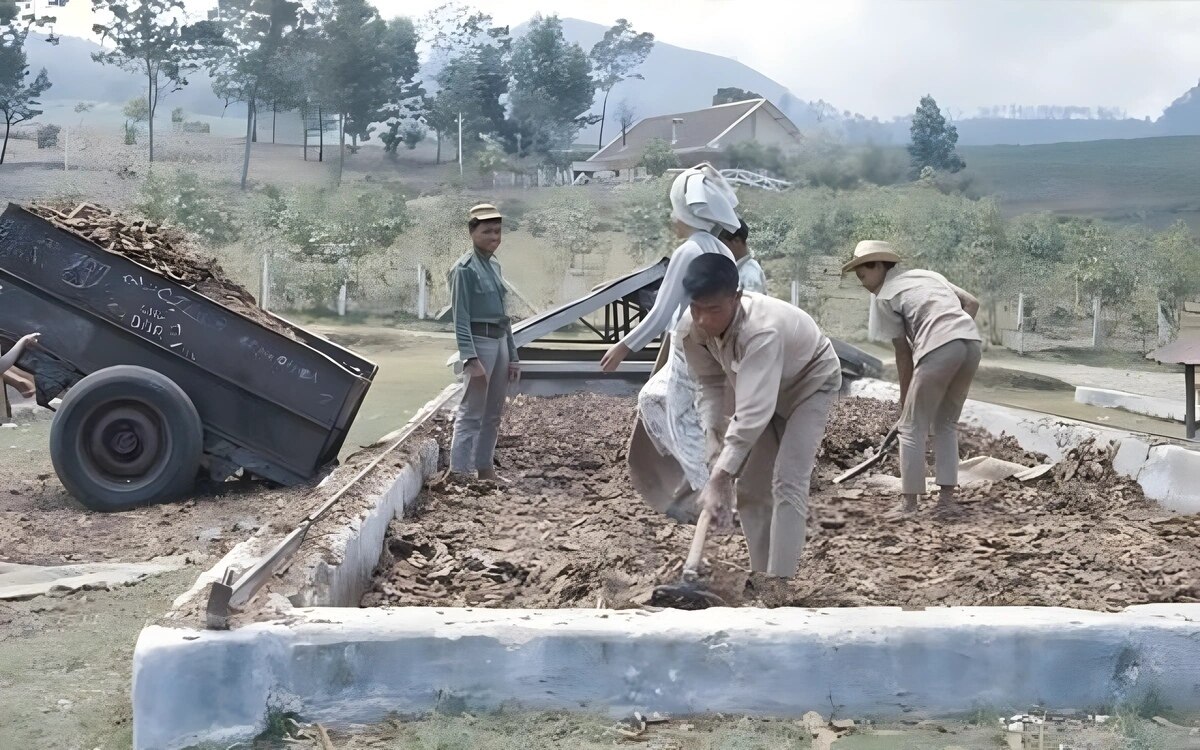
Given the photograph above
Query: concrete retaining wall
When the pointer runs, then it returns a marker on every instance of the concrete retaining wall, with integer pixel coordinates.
(343, 666)
(1166, 472)
(1159, 408)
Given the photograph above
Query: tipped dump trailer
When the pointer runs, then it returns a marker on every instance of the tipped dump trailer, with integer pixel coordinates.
(159, 383)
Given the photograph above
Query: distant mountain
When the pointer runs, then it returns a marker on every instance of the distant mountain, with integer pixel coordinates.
(1183, 116)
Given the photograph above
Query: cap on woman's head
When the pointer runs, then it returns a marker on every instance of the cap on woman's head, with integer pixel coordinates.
(702, 198)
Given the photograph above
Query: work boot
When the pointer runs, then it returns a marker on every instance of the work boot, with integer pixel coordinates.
(947, 504)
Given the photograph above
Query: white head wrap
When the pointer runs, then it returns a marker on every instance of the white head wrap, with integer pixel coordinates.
(703, 199)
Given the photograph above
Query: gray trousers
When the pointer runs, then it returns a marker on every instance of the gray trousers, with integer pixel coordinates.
(773, 487)
(478, 422)
(935, 400)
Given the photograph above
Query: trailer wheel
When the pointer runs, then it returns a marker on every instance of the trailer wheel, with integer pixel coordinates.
(126, 436)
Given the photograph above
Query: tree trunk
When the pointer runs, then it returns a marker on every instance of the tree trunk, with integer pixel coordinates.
(151, 105)
(4, 150)
(341, 148)
(437, 159)
(603, 111)
(249, 133)
(274, 111)
(256, 121)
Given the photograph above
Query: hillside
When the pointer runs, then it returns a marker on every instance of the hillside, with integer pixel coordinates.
(1142, 179)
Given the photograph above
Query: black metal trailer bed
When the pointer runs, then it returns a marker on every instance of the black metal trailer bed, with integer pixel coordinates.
(158, 381)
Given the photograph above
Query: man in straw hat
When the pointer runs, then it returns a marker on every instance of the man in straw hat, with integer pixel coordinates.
(485, 346)
(931, 324)
(783, 376)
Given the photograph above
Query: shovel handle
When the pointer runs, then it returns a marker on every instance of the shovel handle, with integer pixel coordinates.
(692, 564)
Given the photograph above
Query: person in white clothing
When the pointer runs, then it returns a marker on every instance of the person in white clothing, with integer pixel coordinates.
(931, 324)
(750, 273)
(667, 450)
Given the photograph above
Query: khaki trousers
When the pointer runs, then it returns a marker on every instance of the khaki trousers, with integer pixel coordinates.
(478, 422)
(773, 487)
(935, 400)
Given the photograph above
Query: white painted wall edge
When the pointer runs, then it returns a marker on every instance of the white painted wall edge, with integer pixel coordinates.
(341, 665)
(1159, 408)
(1167, 473)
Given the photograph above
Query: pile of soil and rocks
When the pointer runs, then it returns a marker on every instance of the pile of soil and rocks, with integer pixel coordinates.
(568, 530)
(162, 249)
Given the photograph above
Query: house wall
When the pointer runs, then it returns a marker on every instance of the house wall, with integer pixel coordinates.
(760, 127)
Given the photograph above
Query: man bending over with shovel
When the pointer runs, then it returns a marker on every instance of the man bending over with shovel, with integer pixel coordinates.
(784, 377)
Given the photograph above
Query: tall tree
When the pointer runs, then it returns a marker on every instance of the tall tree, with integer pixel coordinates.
(403, 112)
(625, 117)
(149, 40)
(356, 69)
(614, 59)
(552, 87)
(18, 97)
(933, 140)
(245, 38)
(471, 58)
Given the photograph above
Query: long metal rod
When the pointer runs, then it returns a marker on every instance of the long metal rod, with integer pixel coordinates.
(225, 598)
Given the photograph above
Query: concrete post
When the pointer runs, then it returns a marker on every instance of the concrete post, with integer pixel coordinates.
(1021, 324)
(795, 292)
(264, 290)
(1097, 332)
(422, 293)
(341, 303)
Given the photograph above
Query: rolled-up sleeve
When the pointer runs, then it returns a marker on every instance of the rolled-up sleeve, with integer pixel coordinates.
(755, 396)
(461, 310)
(884, 323)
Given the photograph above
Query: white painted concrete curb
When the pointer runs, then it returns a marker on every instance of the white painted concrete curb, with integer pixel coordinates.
(340, 666)
(1159, 408)
(1167, 473)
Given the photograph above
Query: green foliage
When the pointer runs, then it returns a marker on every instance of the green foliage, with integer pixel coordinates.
(645, 216)
(1039, 236)
(361, 61)
(136, 110)
(933, 140)
(404, 112)
(145, 37)
(183, 200)
(492, 159)
(177, 116)
(756, 157)
(337, 226)
(614, 58)
(552, 87)
(570, 220)
(18, 98)
(658, 157)
(1099, 257)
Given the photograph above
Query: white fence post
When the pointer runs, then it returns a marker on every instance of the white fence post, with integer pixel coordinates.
(1021, 324)
(264, 289)
(795, 292)
(1097, 332)
(422, 293)
(341, 302)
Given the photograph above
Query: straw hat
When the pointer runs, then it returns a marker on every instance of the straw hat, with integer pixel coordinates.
(869, 251)
(485, 211)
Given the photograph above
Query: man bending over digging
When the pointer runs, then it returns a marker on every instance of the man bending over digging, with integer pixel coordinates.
(784, 377)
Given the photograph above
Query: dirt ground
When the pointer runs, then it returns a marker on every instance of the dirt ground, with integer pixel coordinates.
(513, 729)
(570, 532)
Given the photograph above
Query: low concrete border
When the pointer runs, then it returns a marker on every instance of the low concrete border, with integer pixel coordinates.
(342, 665)
(1150, 406)
(1167, 473)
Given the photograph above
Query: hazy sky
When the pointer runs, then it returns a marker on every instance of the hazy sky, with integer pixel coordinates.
(879, 56)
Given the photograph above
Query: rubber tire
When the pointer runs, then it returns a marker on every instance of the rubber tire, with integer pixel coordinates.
(174, 472)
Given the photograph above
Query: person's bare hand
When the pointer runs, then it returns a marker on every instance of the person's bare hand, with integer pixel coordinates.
(474, 369)
(613, 357)
(514, 372)
(717, 497)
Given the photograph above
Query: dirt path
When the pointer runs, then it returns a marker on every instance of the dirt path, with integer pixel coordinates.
(570, 532)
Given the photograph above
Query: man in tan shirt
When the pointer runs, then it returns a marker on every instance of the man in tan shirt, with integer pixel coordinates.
(783, 376)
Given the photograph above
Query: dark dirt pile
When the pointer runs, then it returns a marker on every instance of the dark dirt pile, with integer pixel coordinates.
(569, 531)
(164, 250)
